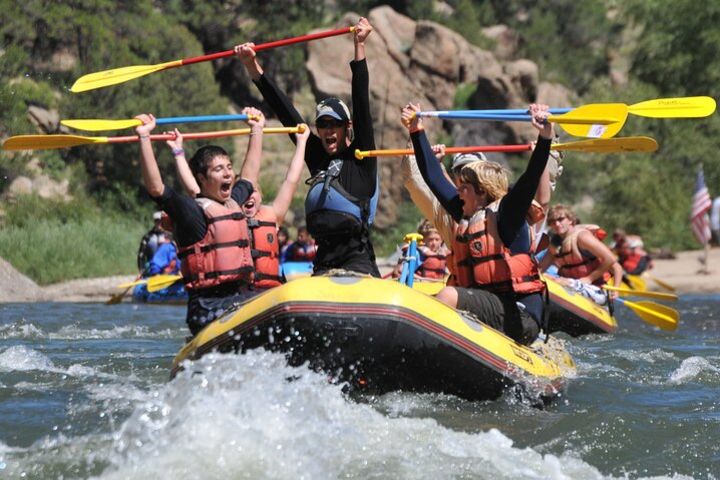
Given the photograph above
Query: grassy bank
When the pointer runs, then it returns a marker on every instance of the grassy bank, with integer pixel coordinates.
(54, 241)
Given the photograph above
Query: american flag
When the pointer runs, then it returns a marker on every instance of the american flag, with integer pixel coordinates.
(700, 207)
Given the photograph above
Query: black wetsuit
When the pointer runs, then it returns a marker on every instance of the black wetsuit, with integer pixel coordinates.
(357, 177)
(189, 227)
(498, 310)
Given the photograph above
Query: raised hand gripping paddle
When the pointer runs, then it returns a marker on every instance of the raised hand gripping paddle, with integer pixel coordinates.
(46, 142)
(115, 76)
(99, 125)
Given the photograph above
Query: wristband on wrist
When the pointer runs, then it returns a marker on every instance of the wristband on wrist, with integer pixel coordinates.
(144, 136)
(178, 151)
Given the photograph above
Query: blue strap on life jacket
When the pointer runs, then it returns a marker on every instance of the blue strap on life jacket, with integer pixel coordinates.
(327, 194)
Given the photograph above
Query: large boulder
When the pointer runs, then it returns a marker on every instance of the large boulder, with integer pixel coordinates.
(16, 287)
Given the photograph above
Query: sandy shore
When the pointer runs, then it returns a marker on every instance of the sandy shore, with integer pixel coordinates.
(681, 273)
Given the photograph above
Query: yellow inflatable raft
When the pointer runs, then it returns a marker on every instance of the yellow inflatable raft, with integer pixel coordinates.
(575, 314)
(381, 336)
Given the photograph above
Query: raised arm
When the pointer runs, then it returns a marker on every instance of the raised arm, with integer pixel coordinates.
(279, 102)
(429, 167)
(187, 179)
(282, 201)
(514, 206)
(362, 119)
(250, 169)
(148, 163)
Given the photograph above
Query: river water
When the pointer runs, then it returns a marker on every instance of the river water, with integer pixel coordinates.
(84, 392)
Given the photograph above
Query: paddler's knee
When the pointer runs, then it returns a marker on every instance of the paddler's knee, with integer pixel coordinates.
(448, 296)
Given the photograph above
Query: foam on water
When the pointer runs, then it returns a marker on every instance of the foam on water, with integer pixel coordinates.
(20, 329)
(24, 330)
(21, 358)
(77, 332)
(692, 368)
(252, 416)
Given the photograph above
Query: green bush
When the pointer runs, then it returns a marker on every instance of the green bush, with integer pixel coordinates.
(51, 241)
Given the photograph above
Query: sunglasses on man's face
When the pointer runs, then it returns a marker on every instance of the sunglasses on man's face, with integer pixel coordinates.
(329, 123)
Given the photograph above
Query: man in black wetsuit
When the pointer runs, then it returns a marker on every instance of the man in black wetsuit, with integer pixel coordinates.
(341, 204)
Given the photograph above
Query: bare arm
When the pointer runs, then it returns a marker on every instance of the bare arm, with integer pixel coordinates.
(181, 165)
(148, 163)
(588, 241)
(282, 201)
(251, 165)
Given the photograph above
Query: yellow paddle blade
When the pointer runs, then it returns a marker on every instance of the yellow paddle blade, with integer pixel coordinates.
(106, 78)
(594, 120)
(660, 283)
(132, 284)
(159, 282)
(635, 282)
(657, 295)
(656, 314)
(45, 142)
(610, 145)
(682, 107)
(99, 125)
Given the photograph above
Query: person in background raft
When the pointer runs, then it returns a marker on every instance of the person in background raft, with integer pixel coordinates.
(342, 200)
(497, 278)
(283, 242)
(210, 229)
(165, 261)
(303, 249)
(584, 262)
(433, 254)
(149, 243)
(263, 220)
(630, 251)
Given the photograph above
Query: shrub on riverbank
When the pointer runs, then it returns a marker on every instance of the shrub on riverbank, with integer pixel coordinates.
(52, 241)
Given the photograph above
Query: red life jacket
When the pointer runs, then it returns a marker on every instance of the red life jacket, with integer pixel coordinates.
(574, 262)
(223, 254)
(482, 260)
(265, 249)
(301, 252)
(434, 265)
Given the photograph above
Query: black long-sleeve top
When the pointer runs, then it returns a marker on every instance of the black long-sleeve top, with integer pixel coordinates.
(513, 208)
(357, 177)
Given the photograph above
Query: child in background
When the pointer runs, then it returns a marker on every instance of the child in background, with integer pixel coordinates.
(433, 253)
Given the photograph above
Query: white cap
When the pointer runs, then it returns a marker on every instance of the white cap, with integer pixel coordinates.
(461, 159)
(157, 216)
